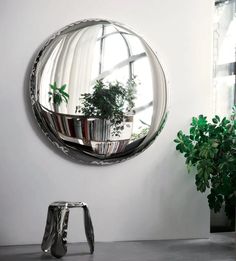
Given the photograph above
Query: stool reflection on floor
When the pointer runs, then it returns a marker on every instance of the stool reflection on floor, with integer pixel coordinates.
(55, 235)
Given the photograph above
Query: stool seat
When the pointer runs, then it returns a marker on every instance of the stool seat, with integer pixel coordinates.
(55, 235)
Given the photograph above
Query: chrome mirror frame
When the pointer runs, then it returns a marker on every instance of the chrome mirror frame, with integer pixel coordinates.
(81, 155)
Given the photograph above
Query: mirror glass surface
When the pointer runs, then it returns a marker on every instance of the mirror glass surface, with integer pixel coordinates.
(98, 91)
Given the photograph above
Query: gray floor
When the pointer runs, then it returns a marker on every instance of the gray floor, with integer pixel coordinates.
(220, 247)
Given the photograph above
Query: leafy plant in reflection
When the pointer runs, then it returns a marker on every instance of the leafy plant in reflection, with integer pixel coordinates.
(210, 147)
(140, 134)
(58, 94)
(110, 101)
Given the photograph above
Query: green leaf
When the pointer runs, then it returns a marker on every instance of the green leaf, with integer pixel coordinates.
(62, 88)
(194, 121)
(200, 182)
(215, 120)
(180, 134)
(192, 130)
(65, 94)
(178, 147)
(66, 100)
(215, 201)
(53, 86)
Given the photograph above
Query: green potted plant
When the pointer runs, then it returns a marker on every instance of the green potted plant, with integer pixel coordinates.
(108, 110)
(111, 101)
(210, 152)
(57, 95)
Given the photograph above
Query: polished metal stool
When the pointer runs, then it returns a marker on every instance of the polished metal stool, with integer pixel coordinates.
(55, 235)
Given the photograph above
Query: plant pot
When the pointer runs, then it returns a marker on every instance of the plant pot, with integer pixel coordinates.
(94, 133)
(221, 223)
(100, 135)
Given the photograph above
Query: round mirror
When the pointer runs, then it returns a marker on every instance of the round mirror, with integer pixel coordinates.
(98, 91)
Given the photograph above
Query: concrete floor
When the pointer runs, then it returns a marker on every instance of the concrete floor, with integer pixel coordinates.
(220, 247)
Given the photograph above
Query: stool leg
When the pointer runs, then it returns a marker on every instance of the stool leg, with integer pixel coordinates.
(49, 231)
(88, 225)
(59, 245)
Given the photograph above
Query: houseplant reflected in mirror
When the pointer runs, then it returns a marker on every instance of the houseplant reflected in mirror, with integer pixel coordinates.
(210, 152)
(57, 95)
(108, 114)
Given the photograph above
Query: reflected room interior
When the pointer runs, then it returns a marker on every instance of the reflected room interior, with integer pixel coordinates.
(100, 89)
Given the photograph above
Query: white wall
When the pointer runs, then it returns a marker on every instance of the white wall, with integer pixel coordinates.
(148, 197)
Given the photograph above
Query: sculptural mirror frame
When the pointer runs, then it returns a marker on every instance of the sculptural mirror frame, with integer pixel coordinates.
(76, 151)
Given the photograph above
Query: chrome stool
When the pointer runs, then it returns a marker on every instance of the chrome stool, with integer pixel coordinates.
(55, 235)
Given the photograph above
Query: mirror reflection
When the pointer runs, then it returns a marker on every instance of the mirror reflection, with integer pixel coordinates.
(98, 89)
